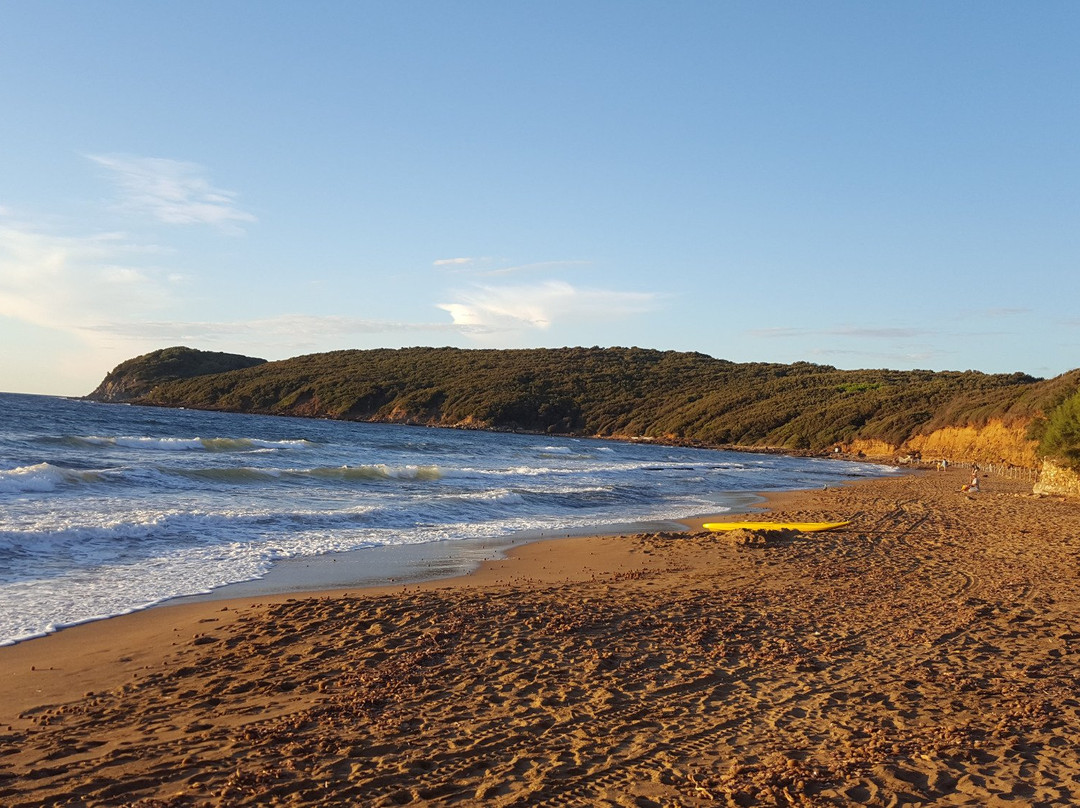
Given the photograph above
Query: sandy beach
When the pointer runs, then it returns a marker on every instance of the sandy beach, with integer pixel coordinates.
(929, 653)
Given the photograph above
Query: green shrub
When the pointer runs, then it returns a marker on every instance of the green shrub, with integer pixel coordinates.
(859, 387)
(1061, 433)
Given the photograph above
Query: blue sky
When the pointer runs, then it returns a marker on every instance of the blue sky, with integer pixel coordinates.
(855, 184)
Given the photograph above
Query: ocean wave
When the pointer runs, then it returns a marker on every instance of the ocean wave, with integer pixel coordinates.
(466, 472)
(503, 496)
(42, 478)
(567, 452)
(45, 477)
(379, 471)
(599, 466)
(247, 444)
(243, 474)
(137, 533)
(177, 444)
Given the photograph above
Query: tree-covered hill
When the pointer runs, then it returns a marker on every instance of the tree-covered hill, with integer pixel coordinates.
(628, 392)
(135, 377)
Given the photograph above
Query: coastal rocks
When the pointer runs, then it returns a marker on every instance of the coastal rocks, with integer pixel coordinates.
(1054, 480)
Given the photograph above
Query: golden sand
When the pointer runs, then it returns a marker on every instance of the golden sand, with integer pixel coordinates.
(927, 654)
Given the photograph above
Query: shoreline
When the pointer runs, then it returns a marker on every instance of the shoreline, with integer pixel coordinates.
(397, 568)
(387, 566)
(928, 653)
(407, 564)
(402, 569)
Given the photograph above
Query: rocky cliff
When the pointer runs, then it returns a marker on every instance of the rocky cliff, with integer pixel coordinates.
(994, 442)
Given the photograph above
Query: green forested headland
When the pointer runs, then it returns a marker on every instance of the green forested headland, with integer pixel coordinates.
(132, 378)
(611, 392)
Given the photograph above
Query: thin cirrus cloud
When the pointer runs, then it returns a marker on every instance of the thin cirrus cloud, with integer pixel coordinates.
(1007, 312)
(70, 282)
(483, 266)
(887, 356)
(851, 331)
(997, 313)
(173, 191)
(864, 337)
(539, 306)
(282, 331)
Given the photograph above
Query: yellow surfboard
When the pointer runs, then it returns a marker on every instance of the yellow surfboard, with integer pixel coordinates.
(802, 527)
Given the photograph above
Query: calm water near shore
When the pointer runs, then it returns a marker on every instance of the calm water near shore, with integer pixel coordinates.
(108, 508)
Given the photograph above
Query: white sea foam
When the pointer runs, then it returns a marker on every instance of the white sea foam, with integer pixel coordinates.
(39, 477)
(147, 443)
(503, 496)
(241, 474)
(43, 477)
(379, 471)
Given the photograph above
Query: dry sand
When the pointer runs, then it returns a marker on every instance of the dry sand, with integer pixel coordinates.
(928, 654)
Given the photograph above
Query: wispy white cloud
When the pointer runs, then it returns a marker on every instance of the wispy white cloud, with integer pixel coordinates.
(68, 282)
(995, 313)
(1018, 311)
(779, 332)
(539, 306)
(282, 330)
(891, 357)
(173, 191)
(482, 267)
(870, 344)
(103, 290)
(866, 332)
(538, 266)
(857, 332)
(271, 337)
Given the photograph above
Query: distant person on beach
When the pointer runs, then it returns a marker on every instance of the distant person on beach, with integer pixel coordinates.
(973, 486)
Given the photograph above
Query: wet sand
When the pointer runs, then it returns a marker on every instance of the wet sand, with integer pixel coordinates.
(927, 654)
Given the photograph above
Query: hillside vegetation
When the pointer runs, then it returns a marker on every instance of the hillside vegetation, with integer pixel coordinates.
(135, 377)
(628, 392)
(1060, 433)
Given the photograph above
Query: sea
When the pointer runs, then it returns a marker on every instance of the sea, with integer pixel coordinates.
(110, 508)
